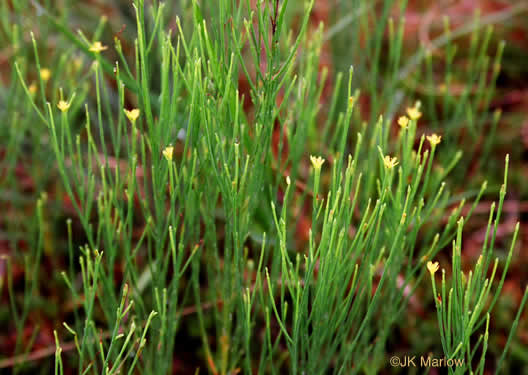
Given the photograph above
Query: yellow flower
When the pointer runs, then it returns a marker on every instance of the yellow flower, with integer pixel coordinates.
(432, 267)
(97, 47)
(63, 105)
(351, 101)
(434, 139)
(317, 162)
(167, 152)
(403, 121)
(132, 115)
(45, 74)
(390, 162)
(414, 112)
(32, 88)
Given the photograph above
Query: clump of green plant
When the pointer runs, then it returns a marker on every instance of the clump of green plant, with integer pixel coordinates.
(178, 185)
(466, 306)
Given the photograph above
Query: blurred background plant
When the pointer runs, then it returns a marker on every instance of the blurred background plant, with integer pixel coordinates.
(271, 206)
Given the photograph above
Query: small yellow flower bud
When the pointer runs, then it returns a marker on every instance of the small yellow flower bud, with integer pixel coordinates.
(132, 115)
(434, 139)
(97, 47)
(414, 113)
(403, 121)
(390, 162)
(63, 105)
(45, 74)
(432, 267)
(167, 152)
(317, 162)
(32, 88)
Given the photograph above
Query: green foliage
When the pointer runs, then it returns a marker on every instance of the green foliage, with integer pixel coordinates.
(170, 167)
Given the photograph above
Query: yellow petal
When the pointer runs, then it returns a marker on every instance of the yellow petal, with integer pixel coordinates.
(390, 162)
(434, 139)
(133, 114)
(97, 47)
(63, 106)
(317, 162)
(45, 74)
(414, 113)
(432, 267)
(403, 121)
(167, 152)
